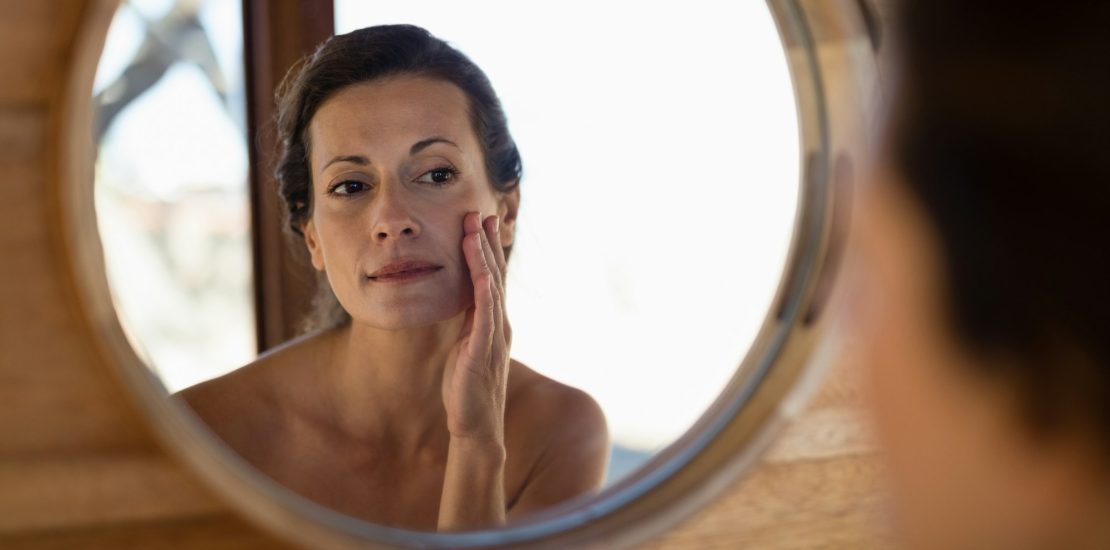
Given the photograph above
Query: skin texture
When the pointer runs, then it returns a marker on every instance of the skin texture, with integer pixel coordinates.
(965, 471)
(413, 415)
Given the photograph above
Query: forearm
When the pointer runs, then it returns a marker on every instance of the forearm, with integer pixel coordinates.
(473, 486)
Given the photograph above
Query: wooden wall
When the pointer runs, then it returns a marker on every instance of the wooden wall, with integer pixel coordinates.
(80, 468)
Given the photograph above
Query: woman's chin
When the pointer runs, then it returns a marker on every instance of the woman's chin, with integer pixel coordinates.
(409, 317)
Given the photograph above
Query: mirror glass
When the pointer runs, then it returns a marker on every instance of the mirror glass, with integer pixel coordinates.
(659, 145)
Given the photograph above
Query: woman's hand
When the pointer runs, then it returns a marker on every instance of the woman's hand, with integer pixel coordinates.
(474, 386)
(477, 368)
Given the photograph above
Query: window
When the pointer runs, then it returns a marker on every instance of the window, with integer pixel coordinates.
(171, 185)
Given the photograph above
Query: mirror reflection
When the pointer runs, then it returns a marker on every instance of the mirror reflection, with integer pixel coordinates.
(541, 249)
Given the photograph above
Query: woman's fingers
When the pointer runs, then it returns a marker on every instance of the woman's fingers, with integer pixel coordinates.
(497, 290)
(492, 225)
(485, 307)
(473, 223)
(486, 262)
(491, 260)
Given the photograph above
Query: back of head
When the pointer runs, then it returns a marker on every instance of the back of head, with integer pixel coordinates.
(1002, 132)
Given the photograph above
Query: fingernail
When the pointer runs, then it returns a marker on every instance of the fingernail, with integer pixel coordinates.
(497, 223)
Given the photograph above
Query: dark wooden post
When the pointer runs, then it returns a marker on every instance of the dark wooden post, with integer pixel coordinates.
(276, 34)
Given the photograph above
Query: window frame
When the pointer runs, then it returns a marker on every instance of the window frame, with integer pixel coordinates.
(276, 34)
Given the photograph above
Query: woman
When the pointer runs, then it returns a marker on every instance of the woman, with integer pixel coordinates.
(404, 407)
(985, 317)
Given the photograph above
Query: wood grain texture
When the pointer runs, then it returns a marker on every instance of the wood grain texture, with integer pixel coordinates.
(74, 455)
(53, 401)
(79, 467)
(73, 491)
(818, 486)
(36, 37)
(215, 532)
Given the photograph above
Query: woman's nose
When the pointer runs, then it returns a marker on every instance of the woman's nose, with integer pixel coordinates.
(393, 217)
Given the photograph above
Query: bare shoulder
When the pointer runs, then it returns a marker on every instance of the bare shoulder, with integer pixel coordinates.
(242, 405)
(565, 413)
(230, 405)
(560, 433)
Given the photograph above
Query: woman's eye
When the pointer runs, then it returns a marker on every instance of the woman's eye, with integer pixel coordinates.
(349, 187)
(438, 176)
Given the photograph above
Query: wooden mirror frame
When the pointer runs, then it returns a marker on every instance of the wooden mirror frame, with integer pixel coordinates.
(833, 69)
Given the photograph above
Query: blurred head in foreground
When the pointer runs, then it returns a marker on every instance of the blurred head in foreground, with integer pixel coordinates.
(985, 315)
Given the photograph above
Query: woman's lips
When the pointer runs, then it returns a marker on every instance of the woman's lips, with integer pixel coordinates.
(404, 271)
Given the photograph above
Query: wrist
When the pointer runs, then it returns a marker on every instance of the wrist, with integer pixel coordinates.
(473, 485)
(488, 448)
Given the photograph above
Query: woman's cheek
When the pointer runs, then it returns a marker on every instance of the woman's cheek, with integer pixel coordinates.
(447, 230)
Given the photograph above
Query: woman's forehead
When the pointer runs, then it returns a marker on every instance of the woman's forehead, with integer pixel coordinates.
(390, 115)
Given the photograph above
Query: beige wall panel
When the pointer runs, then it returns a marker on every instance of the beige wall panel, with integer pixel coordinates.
(53, 400)
(221, 532)
(87, 490)
(35, 35)
(818, 486)
(73, 453)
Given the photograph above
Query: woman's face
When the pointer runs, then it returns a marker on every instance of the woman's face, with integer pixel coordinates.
(965, 472)
(395, 166)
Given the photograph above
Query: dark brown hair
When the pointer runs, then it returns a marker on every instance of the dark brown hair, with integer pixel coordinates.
(365, 55)
(1003, 136)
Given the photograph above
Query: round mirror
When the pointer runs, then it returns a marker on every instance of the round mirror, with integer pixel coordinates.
(670, 253)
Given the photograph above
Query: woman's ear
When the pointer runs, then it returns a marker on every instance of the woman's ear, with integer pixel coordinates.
(507, 207)
(313, 243)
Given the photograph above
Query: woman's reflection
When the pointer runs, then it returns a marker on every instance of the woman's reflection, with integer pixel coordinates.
(402, 405)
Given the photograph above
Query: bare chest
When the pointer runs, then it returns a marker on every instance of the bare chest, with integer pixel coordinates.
(368, 484)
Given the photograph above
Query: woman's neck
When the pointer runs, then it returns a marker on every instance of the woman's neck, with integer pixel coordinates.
(385, 386)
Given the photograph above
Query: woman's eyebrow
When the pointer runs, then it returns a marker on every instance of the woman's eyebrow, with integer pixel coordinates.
(357, 159)
(424, 143)
(416, 148)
